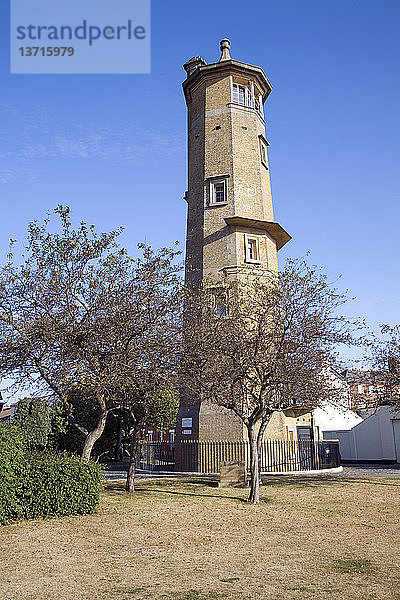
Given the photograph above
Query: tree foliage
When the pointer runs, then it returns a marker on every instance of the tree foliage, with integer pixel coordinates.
(51, 306)
(384, 356)
(78, 313)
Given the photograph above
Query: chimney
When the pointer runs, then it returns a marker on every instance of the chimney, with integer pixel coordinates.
(194, 63)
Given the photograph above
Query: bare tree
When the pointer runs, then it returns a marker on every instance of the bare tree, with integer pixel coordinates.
(260, 345)
(384, 356)
(78, 312)
(49, 305)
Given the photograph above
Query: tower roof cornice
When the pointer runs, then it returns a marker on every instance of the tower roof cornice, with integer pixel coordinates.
(228, 67)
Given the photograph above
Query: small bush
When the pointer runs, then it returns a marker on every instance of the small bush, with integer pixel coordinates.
(11, 456)
(54, 485)
(43, 484)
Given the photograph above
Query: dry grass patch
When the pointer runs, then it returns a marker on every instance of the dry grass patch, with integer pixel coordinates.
(310, 538)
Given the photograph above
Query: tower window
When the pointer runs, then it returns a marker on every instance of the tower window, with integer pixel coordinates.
(239, 93)
(252, 249)
(242, 95)
(263, 150)
(220, 310)
(218, 190)
(219, 301)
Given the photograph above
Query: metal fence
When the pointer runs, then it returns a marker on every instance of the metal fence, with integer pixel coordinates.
(277, 456)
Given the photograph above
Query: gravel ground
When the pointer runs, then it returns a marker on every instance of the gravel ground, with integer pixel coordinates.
(354, 470)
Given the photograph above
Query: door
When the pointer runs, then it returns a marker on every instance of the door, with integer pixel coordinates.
(304, 434)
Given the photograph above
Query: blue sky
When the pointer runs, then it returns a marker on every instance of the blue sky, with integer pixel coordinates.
(113, 147)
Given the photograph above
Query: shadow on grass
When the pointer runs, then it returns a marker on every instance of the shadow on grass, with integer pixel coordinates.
(166, 486)
(192, 494)
(118, 490)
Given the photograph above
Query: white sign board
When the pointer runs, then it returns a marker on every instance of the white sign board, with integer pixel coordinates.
(187, 422)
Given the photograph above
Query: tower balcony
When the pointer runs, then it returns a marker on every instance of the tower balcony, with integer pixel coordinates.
(274, 230)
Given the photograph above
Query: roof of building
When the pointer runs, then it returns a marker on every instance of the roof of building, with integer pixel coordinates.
(5, 412)
(360, 376)
(197, 67)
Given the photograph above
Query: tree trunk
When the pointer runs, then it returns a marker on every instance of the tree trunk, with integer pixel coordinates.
(94, 435)
(254, 466)
(260, 439)
(130, 479)
(119, 455)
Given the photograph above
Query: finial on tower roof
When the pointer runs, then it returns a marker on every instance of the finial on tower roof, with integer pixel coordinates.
(225, 47)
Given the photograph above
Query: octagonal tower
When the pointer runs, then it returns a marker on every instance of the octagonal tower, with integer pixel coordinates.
(231, 230)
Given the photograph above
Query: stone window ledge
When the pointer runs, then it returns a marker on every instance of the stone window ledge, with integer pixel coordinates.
(215, 204)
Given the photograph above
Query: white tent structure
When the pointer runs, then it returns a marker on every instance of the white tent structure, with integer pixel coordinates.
(375, 439)
(335, 415)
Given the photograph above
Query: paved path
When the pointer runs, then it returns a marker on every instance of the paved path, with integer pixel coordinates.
(359, 470)
(371, 470)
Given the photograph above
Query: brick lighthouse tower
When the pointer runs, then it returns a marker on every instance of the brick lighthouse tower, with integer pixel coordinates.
(231, 230)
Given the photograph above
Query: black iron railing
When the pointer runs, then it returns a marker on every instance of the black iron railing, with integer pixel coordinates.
(277, 456)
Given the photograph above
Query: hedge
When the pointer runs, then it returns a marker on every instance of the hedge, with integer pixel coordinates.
(33, 416)
(54, 485)
(44, 484)
(11, 456)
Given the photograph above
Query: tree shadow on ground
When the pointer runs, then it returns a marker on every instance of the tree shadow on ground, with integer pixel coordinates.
(192, 494)
(165, 486)
(117, 489)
